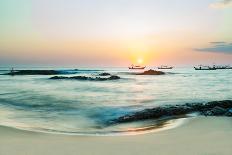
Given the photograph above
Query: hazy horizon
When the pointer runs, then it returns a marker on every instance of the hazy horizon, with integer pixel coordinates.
(115, 33)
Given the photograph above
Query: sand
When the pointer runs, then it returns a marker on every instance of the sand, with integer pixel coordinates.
(198, 136)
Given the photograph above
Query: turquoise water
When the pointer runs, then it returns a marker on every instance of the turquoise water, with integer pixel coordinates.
(33, 102)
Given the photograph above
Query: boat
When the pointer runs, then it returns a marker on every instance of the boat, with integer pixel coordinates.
(205, 68)
(212, 68)
(223, 67)
(137, 67)
(165, 67)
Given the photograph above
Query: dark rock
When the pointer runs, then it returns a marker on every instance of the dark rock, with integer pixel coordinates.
(80, 78)
(215, 108)
(156, 113)
(151, 72)
(223, 104)
(104, 74)
(113, 77)
(33, 72)
(216, 111)
(59, 77)
(196, 106)
(229, 113)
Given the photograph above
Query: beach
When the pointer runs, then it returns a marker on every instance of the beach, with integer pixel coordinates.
(82, 112)
(115, 77)
(197, 136)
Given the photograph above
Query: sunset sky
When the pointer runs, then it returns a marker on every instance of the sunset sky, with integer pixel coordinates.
(115, 32)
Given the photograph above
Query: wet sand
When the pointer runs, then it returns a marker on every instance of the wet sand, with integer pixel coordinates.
(198, 136)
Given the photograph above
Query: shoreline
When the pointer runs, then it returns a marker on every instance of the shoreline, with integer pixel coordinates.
(198, 136)
(168, 125)
(167, 117)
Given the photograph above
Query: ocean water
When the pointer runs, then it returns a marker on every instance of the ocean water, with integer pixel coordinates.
(36, 103)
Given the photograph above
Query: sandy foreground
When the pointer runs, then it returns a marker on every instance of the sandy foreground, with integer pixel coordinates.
(198, 136)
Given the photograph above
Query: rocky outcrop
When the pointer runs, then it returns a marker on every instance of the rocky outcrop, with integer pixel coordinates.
(229, 113)
(104, 74)
(151, 72)
(33, 72)
(113, 77)
(216, 111)
(215, 108)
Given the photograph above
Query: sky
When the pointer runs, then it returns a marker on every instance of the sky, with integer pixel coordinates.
(115, 32)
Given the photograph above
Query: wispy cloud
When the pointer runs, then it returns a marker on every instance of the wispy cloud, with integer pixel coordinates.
(217, 47)
(221, 4)
(218, 42)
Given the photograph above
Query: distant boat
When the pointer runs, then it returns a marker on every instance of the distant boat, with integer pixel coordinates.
(165, 67)
(223, 67)
(212, 68)
(137, 67)
(205, 68)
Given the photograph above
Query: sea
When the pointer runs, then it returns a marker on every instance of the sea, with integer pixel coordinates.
(77, 107)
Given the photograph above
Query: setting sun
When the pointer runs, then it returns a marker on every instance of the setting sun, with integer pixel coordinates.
(139, 61)
(91, 76)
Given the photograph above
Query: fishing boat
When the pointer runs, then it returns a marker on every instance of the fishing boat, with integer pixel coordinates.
(223, 67)
(201, 67)
(165, 67)
(205, 68)
(137, 67)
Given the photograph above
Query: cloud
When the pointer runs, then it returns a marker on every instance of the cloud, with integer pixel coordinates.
(221, 4)
(217, 47)
(217, 42)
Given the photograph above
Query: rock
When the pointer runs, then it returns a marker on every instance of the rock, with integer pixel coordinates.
(156, 113)
(196, 106)
(104, 74)
(81, 78)
(215, 108)
(216, 111)
(59, 77)
(223, 104)
(33, 72)
(151, 72)
(113, 77)
(229, 113)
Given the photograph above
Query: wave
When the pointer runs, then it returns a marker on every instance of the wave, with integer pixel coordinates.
(118, 121)
(145, 128)
(43, 106)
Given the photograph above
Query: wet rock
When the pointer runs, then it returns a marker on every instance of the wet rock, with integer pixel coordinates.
(229, 113)
(151, 72)
(113, 77)
(216, 111)
(104, 74)
(196, 106)
(81, 78)
(58, 77)
(156, 113)
(224, 104)
(215, 108)
(33, 72)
